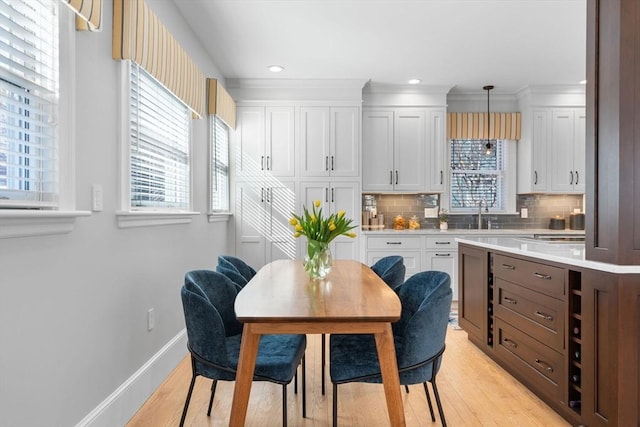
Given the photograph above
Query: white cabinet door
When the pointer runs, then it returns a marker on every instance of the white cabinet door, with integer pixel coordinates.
(447, 261)
(344, 158)
(280, 204)
(377, 151)
(579, 160)
(567, 150)
(280, 147)
(315, 132)
(438, 167)
(409, 151)
(250, 223)
(539, 150)
(248, 141)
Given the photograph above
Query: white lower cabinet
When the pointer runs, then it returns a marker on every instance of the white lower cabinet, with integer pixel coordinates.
(409, 247)
(442, 255)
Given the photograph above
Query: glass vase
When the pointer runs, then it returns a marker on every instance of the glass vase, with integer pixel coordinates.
(317, 261)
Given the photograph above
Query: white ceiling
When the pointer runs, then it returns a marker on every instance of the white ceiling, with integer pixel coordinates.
(463, 43)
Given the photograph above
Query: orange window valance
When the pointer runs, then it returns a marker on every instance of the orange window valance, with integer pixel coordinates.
(220, 103)
(140, 36)
(474, 126)
(88, 14)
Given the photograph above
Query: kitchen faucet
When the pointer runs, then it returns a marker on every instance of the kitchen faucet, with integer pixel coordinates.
(486, 209)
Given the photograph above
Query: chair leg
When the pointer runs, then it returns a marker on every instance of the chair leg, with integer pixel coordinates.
(304, 387)
(324, 357)
(213, 392)
(186, 403)
(435, 391)
(335, 405)
(295, 382)
(426, 391)
(406, 387)
(284, 405)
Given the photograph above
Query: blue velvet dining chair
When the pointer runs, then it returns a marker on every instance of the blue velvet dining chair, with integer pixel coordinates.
(214, 337)
(391, 270)
(243, 268)
(231, 272)
(419, 338)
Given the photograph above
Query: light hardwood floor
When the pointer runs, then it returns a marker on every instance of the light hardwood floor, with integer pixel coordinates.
(474, 392)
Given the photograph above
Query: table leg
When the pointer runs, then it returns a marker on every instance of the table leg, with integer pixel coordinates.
(390, 377)
(244, 376)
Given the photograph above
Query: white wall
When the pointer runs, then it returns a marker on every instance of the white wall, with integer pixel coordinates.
(73, 307)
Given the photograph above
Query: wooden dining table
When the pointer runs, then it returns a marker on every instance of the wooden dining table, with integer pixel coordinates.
(352, 299)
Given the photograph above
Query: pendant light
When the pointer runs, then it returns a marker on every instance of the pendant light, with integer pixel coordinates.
(488, 147)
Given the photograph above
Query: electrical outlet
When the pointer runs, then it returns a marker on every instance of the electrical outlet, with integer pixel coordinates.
(96, 198)
(151, 319)
(524, 213)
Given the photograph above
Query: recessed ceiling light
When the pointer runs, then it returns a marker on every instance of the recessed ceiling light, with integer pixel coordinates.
(275, 68)
(414, 81)
(583, 82)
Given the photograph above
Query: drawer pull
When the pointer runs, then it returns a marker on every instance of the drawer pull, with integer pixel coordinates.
(510, 343)
(443, 243)
(443, 255)
(544, 315)
(509, 267)
(394, 243)
(510, 300)
(542, 276)
(544, 365)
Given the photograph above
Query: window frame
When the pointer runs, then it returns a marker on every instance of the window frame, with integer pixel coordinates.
(213, 168)
(126, 216)
(61, 219)
(509, 184)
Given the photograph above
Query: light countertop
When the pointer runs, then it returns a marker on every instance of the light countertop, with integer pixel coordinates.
(472, 232)
(565, 253)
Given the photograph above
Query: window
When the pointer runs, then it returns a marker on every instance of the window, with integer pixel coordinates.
(29, 93)
(219, 136)
(160, 126)
(477, 176)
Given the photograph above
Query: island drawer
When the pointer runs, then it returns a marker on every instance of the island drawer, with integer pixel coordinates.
(541, 278)
(538, 315)
(393, 242)
(443, 243)
(540, 365)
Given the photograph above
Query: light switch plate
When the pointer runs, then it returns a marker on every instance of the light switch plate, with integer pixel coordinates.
(96, 198)
(430, 212)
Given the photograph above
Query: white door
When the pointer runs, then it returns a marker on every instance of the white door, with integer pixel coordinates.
(250, 223)
(579, 160)
(377, 151)
(315, 132)
(344, 158)
(540, 146)
(446, 261)
(280, 141)
(248, 141)
(280, 202)
(409, 152)
(561, 151)
(346, 196)
(437, 153)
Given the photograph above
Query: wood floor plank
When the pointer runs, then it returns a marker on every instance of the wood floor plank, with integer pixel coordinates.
(474, 392)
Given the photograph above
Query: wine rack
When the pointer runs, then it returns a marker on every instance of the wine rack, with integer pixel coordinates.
(490, 311)
(575, 341)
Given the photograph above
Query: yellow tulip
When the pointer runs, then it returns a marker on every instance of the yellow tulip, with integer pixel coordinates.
(296, 235)
(313, 218)
(317, 203)
(332, 226)
(293, 221)
(298, 227)
(341, 213)
(352, 235)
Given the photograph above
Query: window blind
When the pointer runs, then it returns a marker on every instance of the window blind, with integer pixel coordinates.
(28, 103)
(219, 165)
(476, 176)
(160, 132)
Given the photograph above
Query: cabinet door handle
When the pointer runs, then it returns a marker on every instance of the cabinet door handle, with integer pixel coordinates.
(544, 365)
(571, 180)
(445, 255)
(542, 276)
(390, 177)
(396, 177)
(508, 267)
(326, 163)
(544, 315)
(441, 177)
(510, 300)
(394, 243)
(535, 179)
(268, 194)
(262, 195)
(268, 163)
(510, 343)
(332, 163)
(326, 195)
(333, 199)
(577, 177)
(261, 163)
(443, 243)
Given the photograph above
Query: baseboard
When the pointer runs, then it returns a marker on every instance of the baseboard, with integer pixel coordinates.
(124, 402)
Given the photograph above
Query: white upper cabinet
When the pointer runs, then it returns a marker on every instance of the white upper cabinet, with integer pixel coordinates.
(264, 141)
(394, 150)
(437, 162)
(567, 148)
(330, 140)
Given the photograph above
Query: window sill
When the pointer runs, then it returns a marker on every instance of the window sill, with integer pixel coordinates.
(26, 223)
(219, 216)
(148, 219)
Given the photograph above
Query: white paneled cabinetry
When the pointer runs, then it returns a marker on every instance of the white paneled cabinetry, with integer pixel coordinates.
(441, 254)
(568, 150)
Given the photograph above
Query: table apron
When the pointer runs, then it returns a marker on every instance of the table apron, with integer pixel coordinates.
(317, 327)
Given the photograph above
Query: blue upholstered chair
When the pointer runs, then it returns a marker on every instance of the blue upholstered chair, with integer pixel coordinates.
(391, 269)
(419, 338)
(214, 336)
(228, 269)
(243, 268)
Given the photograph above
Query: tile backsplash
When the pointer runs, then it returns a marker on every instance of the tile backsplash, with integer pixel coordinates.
(541, 207)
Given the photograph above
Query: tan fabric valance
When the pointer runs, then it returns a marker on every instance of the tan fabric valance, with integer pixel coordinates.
(220, 103)
(473, 126)
(88, 14)
(139, 35)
